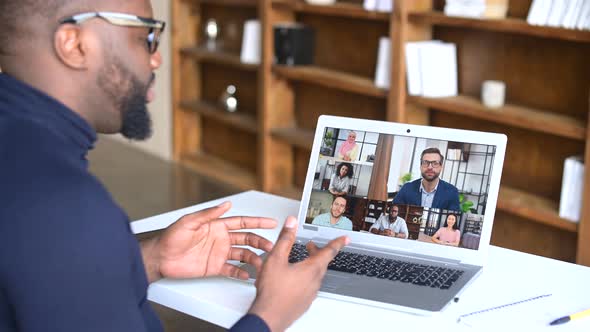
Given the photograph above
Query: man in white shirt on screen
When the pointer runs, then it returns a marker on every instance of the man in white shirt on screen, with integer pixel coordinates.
(390, 225)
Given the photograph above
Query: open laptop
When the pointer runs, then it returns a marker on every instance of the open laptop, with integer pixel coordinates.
(422, 265)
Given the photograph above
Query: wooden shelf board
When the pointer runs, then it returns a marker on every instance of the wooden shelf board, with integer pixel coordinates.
(331, 79)
(301, 138)
(240, 120)
(340, 9)
(218, 57)
(509, 25)
(533, 207)
(236, 3)
(221, 170)
(289, 192)
(513, 115)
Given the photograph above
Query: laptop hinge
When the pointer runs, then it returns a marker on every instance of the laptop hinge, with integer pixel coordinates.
(311, 228)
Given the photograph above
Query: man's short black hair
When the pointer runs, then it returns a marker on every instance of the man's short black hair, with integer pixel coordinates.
(432, 150)
(343, 197)
(18, 17)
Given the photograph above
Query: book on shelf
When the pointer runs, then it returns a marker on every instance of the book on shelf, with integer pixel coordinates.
(572, 186)
(383, 70)
(573, 14)
(378, 5)
(583, 21)
(477, 8)
(431, 69)
(539, 12)
(556, 13)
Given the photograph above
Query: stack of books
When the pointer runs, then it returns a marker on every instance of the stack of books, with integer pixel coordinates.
(573, 14)
(378, 5)
(495, 9)
(431, 68)
(572, 186)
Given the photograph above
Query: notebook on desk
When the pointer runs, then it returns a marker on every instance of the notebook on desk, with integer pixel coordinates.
(418, 203)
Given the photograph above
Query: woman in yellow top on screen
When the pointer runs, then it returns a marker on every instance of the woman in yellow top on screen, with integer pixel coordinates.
(449, 234)
(349, 150)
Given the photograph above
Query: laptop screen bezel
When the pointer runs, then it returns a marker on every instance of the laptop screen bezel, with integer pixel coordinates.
(467, 256)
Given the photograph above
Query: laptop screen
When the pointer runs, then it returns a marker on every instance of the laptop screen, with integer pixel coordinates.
(412, 188)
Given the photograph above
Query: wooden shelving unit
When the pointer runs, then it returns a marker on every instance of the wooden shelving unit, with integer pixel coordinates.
(511, 115)
(266, 144)
(508, 25)
(300, 138)
(242, 121)
(230, 3)
(220, 169)
(343, 9)
(533, 207)
(218, 57)
(331, 79)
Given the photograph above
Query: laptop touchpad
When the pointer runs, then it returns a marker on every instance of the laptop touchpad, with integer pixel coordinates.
(332, 282)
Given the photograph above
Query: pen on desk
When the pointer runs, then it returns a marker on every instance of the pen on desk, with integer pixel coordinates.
(566, 319)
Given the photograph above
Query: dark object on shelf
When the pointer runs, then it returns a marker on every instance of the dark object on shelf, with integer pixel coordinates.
(294, 44)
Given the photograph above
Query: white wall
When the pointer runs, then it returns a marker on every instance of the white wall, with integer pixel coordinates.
(160, 144)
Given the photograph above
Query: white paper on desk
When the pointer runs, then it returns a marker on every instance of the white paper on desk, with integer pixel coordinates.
(534, 315)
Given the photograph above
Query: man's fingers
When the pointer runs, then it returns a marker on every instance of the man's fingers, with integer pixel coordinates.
(196, 219)
(233, 271)
(246, 256)
(325, 255)
(312, 249)
(235, 223)
(285, 240)
(250, 239)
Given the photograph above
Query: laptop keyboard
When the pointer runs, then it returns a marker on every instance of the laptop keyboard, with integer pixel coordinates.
(385, 268)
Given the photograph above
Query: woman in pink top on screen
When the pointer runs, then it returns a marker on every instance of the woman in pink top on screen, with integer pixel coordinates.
(449, 234)
(349, 149)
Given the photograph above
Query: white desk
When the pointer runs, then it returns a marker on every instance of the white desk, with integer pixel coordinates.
(509, 276)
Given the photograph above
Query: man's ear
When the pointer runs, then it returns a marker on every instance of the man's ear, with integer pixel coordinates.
(70, 46)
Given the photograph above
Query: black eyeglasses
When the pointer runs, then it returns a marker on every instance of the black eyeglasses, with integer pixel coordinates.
(433, 163)
(156, 27)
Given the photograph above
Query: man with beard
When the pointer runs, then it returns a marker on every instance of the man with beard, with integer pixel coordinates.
(335, 218)
(68, 258)
(429, 191)
(391, 225)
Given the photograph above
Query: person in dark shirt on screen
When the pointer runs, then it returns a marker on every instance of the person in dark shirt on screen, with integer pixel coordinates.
(68, 259)
(429, 191)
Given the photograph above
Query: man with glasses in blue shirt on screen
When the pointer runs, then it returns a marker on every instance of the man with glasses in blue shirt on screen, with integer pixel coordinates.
(429, 191)
(68, 258)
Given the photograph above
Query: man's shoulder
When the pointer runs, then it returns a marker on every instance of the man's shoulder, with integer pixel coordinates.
(447, 186)
(414, 184)
(320, 216)
(346, 220)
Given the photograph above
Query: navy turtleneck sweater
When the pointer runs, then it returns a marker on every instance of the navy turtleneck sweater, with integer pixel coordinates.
(68, 258)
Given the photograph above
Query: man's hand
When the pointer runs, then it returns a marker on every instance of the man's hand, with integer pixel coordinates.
(285, 291)
(200, 244)
(388, 232)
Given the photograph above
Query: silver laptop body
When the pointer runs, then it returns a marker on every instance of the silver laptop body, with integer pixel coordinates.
(472, 164)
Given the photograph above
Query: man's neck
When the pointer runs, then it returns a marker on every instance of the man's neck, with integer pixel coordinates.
(334, 220)
(430, 185)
